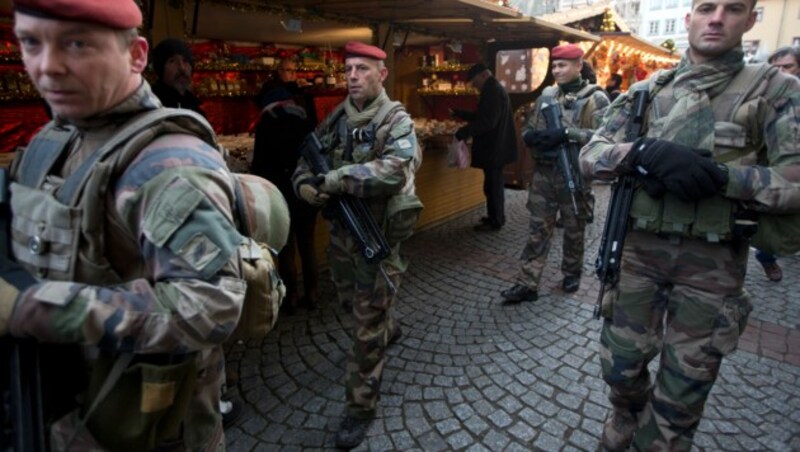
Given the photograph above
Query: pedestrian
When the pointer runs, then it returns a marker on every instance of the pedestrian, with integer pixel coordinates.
(133, 257)
(787, 59)
(372, 145)
(614, 87)
(281, 128)
(173, 64)
(719, 135)
(494, 142)
(582, 105)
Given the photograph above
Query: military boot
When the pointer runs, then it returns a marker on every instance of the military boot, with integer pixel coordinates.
(519, 293)
(352, 431)
(618, 430)
(571, 284)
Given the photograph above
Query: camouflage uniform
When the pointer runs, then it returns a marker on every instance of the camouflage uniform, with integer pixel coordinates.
(378, 173)
(548, 193)
(173, 285)
(669, 269)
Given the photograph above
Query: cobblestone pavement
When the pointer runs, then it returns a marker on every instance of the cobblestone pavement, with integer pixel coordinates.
(470, 373)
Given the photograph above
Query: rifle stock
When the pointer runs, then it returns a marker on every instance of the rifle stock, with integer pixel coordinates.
(609, 257)
(352, 211)
(567, 155)
(22, 412)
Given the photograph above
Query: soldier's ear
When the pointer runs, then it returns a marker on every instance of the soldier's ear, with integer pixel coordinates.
(138, 53)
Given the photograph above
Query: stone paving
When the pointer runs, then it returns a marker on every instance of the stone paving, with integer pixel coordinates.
(472, 374)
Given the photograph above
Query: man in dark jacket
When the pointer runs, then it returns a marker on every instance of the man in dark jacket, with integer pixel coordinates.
(494, 141)
(173, 62)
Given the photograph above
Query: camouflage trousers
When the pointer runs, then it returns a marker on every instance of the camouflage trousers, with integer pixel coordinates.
(364, 285)
(547, 196)
(684, 300)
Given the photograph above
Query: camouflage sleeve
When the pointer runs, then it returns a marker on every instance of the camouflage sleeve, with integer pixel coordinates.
(602, 156)
(598, 105)
(776, 187)
(534, 121)
(301, 174)
(387, 173)
(175, 199)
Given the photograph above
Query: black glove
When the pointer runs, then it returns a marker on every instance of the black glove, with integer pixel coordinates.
(527, 137)
(688, 173)
(13, 280)
(461, 134)
(548, 138)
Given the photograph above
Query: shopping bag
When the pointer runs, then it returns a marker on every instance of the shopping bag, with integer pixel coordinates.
(457, 154)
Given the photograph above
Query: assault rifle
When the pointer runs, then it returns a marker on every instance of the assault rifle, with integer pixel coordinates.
(21, 408)
(352, 211)
(607, 264)
(567, 155)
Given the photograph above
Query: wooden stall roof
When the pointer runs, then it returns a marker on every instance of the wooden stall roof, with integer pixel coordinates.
(586, 11)
(467, 20)
(639, 44)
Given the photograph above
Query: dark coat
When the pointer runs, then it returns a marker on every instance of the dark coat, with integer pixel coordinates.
(171, 98)
(276, 150)
(491, 126)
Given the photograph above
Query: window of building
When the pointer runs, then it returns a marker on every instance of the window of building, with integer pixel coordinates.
(759, 13)
(653, 28)
(796, 41)
(687, 3)
(669, 26)
(750, 48)
(655, 4)
(670, 4)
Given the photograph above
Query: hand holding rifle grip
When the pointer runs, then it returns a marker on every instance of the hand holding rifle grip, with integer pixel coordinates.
(552, 116)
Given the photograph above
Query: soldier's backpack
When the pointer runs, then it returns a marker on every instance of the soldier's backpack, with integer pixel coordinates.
(119, 383)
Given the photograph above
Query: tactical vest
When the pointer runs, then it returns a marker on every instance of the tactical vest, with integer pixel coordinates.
(576, 110)
(738, 138)
(399, 214)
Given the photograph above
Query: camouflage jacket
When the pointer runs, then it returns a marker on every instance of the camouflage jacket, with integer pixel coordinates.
(376, 170)
(181, 288)
(581, 113)
(765, 179)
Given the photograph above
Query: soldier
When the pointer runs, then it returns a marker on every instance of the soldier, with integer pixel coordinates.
(166, 294)
(719, 137)
(582, 105)
(378, 167)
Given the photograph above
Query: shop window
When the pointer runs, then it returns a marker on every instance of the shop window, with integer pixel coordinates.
(759, 13)
(669, 26)
(653, 30)
(655, 5)
(522, 71)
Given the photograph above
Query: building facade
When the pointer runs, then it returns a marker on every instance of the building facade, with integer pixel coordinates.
(777, 25)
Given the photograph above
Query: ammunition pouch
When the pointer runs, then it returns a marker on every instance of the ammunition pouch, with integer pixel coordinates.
(402, 213)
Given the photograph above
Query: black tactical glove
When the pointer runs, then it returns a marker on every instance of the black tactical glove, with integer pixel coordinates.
(13, 280)
(688, 173)
(547, 139)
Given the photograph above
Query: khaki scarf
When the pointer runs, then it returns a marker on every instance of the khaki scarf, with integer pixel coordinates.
(691, 120)
(357, 118)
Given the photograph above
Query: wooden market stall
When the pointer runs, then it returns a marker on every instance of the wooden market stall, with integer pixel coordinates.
(619, 51)
(430, 45)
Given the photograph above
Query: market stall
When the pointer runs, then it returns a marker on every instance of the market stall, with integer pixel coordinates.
(430, 46)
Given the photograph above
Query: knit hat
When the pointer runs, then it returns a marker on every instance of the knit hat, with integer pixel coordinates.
(165, 50)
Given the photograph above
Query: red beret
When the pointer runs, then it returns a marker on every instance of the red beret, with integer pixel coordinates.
(359, 49)
(119, 14)
(566, 52)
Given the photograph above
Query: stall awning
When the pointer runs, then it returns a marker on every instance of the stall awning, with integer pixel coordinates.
(467, 20)
(640, 45)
